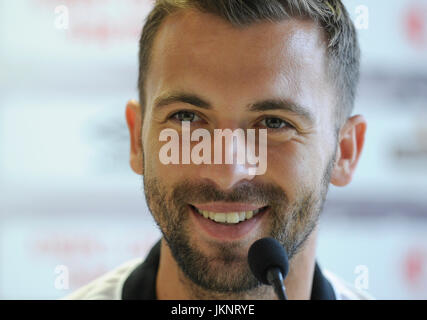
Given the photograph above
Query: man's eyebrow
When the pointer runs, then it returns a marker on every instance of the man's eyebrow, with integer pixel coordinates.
(265, 105)
(283, 105)
(181, 97)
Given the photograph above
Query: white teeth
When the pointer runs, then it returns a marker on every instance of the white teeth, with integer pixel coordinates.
(229, 217)
(220, 217)
(242, 216)
(233, 217)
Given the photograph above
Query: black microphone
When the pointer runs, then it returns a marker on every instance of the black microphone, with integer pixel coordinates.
(268, 261)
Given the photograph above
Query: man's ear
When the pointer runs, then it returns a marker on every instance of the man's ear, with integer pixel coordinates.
(133, 119)
(350, 144)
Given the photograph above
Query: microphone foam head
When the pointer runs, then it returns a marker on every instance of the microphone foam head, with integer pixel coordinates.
(264, 254)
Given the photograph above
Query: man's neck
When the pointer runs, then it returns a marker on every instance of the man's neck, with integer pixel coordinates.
(299, 280)
(172, 284)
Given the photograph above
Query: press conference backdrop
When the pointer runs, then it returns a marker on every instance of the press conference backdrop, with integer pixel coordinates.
(70, 207)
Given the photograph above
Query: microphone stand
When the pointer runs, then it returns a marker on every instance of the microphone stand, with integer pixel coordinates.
(275, 278)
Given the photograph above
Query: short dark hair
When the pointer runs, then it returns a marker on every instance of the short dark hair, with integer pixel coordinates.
(342, 47)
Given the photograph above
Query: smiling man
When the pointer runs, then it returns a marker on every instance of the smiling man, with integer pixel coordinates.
(288, 67)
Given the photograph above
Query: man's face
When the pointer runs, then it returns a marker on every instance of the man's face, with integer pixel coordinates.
(229, 69)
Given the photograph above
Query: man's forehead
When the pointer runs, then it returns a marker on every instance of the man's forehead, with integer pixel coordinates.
(191, 29)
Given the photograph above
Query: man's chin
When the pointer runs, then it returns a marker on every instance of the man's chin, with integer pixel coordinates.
(218, 267)
(224, 277)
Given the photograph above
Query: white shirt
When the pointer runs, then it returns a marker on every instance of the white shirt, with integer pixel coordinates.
(110, 285)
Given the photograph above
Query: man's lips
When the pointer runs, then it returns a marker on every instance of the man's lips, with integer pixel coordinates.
(216, 227)
(227, 207)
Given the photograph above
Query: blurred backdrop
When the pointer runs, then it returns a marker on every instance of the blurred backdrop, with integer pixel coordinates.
(70, 207)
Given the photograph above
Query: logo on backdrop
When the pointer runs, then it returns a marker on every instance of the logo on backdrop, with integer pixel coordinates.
(415, 25)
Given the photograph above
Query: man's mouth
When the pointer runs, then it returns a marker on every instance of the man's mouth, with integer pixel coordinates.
(226, 221)
(229, 217)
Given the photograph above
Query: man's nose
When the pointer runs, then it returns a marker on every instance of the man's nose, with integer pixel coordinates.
(229, 166)
(226, 176)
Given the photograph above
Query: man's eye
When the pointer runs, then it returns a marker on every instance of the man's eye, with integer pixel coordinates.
(185, 116)
(274, 123)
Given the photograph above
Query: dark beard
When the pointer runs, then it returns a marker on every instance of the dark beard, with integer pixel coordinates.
(228, 271)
